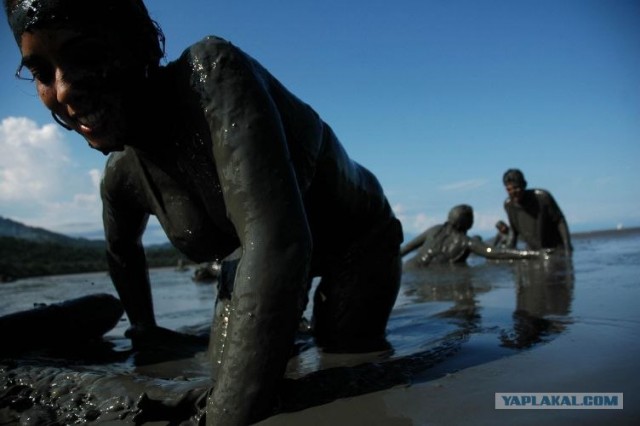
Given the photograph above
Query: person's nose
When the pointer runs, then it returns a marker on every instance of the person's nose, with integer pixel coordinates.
(62, 87)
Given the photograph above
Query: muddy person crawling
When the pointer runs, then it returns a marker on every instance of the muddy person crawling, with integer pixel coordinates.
(235, 168)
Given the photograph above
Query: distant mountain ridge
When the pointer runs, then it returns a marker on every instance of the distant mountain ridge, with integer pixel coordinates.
(13, 229)
(27, 251)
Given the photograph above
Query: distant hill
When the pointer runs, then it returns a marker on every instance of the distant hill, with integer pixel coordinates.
(27, 251)
(13, 229)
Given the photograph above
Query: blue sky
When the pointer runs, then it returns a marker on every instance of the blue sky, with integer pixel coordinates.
(437, 98)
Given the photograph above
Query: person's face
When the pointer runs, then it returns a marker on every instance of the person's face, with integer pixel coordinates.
(515, 192)
(70, 72)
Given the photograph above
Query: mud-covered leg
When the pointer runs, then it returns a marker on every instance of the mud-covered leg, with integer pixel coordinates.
(353, 301)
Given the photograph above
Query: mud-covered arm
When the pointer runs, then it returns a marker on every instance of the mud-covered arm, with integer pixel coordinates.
(265, 206)
(512, 238)
(555, 214)
(561, 222)
(414, 244)
(563, 228)
(481, 249)
(124, 225)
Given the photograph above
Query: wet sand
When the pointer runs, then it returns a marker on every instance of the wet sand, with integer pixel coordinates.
(591, 358)
(599, 352)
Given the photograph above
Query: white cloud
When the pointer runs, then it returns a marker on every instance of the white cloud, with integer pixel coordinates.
(421, 222)
(413, 223)
(95, 175)
(398, 209)
(464, 185)
(40, 185)
(485, 222)
(30, 157)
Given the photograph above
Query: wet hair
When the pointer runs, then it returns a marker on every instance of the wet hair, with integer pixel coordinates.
(127, 18)
(514, 177)
(461, 217)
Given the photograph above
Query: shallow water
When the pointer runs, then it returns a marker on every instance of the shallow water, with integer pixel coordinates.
(540, 327)
(446, 320)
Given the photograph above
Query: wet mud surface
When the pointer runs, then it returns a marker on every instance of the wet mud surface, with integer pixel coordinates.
(445, 321)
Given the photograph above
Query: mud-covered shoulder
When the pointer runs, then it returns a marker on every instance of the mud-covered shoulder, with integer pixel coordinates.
(211, 44)
(115, 170)
(119, 180)
(217, 76)
(210, 58)
(543, 195)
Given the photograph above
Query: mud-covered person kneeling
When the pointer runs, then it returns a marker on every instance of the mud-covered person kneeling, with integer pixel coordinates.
(230, 162)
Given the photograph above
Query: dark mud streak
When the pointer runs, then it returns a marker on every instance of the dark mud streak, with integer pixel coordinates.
(60, 395)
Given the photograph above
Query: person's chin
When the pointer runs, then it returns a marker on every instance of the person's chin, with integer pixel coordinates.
(105, 146)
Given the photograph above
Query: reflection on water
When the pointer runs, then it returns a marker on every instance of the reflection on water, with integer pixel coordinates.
(447, 318)
(544, 287)
(544, 291)
(543, 294)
